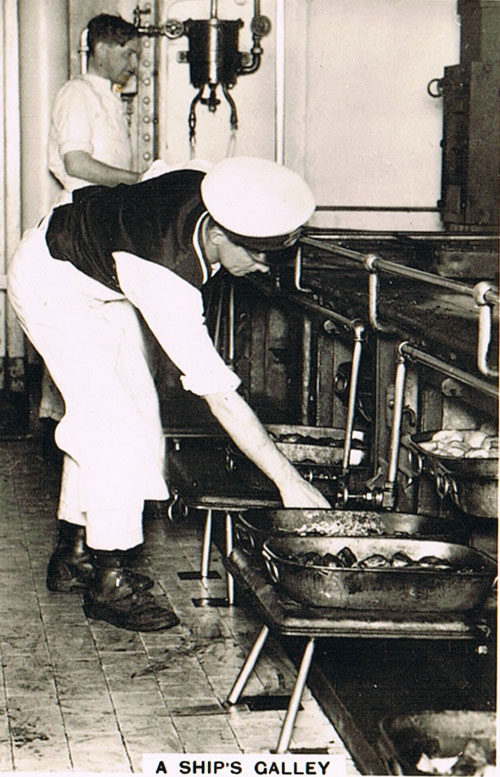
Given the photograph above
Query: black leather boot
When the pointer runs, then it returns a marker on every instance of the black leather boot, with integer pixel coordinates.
(111, 597)
(71, 566)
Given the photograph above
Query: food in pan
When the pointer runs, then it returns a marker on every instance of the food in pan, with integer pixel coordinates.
(463, 443)
(400, 559)
(346, 559)
(435, 562)
(347, 523)
(375, 562)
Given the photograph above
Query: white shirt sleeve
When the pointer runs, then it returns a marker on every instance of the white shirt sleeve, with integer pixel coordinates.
(73, 118)
(173, 310)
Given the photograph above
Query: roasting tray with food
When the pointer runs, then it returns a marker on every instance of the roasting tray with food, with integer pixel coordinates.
(253, 527)
(382, 573)
(451, 742)
(309, 446)
(464, 465)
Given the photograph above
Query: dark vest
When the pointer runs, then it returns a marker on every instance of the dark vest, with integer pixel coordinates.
(154, 220)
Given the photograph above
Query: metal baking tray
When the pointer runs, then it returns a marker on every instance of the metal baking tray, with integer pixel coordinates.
(312, 445)
(472, 484)
(437, 734)
(253, 527)
(393, 589)
(317, 445)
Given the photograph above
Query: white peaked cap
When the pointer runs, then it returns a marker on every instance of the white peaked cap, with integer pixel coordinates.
(256, 197)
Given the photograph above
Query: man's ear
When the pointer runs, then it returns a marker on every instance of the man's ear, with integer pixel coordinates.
(100, 49)
(216, 234)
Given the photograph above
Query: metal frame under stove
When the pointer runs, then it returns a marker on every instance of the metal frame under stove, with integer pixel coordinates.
(288, 618)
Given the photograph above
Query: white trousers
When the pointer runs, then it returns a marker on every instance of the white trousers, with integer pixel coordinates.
(111, 433)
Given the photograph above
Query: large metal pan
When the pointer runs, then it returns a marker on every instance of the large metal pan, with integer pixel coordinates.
(472, 484)
(444, 734)
(254, 527)
(413, 588)
(309, 445)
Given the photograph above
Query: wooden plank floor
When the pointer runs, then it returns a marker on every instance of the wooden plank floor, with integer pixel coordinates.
(80, 695)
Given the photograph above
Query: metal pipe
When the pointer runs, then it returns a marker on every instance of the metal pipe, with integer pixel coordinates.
(229, 549)
(397, 269)
(447, 369)
(83, 50)
(397, 416)
(293, 706)
(359, 330)
(213, 9)
(279, 131)
(247, 668)
(205, 550)
(297, 275)
(482, 293)
(306, 369)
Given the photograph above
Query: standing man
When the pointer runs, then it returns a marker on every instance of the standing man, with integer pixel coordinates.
(76, 284)
(89, 140)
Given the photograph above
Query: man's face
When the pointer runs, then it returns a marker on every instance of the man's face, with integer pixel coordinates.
(120, 61)
(241, 261)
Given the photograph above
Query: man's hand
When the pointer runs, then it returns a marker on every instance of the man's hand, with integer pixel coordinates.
(299, 493)
(243, 426)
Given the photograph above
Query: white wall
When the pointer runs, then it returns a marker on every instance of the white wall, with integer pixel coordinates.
(372, 131)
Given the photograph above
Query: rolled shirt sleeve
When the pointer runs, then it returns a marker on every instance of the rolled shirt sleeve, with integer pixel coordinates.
(73, 115)
(173, 309)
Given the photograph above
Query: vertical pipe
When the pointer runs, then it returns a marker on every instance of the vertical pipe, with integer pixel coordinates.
(213, 9)
(43, 36)
(306, 369)
(83, 50)
(279, 131)
(397, 415)
(353, 390)
(10, 150)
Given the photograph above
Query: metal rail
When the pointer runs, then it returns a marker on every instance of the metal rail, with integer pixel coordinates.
(373, 262)
(483, 294)
(437, 364)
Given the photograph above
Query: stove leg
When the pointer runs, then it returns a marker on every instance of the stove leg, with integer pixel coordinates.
(205, 550)
(247, 668)
(293, 706)
(229, 548)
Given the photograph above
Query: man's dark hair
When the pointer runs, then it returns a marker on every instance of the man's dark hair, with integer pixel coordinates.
(109, 29)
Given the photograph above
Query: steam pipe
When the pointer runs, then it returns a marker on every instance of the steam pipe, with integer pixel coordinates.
(279, 152)
(83, 50)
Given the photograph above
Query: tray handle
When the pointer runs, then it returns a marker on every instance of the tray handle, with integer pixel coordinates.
(244, 539)
(271, 567)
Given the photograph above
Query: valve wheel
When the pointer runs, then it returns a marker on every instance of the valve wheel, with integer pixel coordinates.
(174, 29)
